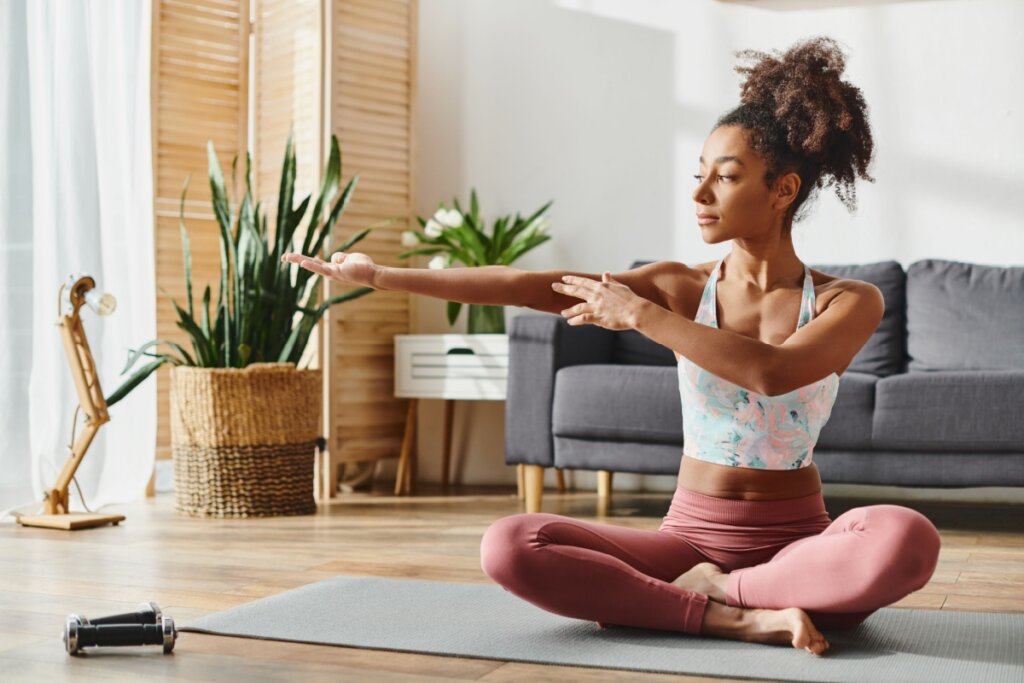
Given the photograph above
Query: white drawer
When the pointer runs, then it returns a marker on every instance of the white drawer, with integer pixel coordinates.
(453, 366)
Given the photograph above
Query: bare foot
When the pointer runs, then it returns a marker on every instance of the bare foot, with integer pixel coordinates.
(706, 578)
(789, 626)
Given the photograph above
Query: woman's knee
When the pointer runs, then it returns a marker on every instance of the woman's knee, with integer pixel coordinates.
(918, 541)
(504, 543)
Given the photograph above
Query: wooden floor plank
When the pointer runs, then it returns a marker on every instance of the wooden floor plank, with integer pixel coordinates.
(192, 567)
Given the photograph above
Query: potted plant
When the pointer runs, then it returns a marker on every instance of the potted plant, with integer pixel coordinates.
(452, 235)
(245, 420)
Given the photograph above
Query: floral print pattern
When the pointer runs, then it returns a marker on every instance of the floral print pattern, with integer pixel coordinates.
(726, 424)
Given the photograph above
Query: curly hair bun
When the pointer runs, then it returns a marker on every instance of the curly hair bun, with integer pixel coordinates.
(804, 115)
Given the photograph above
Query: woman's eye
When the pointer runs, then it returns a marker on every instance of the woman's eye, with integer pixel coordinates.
(700, 178)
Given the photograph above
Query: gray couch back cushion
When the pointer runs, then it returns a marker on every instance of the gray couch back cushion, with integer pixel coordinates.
(632, 348)
(964, 316)
(884, 353)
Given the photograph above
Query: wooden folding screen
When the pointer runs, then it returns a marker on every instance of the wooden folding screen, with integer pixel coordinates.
(200, 78)
(370, 105)
(318, 66)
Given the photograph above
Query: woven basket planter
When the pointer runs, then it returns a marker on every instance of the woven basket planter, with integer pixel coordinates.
(244, 440)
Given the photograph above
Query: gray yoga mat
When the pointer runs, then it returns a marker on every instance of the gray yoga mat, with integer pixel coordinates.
(486, 621)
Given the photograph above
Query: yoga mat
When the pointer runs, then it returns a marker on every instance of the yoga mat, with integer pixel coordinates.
(486, 621)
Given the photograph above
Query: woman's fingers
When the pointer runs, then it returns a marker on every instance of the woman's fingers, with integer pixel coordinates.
(292, 257)
(309, 263)
(316, 265)
(574, 310)
(581, 319)
(569, 290)
(575, 286)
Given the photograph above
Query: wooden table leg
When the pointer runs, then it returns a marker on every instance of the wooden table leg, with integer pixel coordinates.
(449, 414)
(406, 460)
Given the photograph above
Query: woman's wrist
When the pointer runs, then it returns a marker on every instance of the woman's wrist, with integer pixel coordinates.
(645, 314)
(376, 275)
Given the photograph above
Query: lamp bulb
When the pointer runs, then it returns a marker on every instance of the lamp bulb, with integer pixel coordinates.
(100, 302)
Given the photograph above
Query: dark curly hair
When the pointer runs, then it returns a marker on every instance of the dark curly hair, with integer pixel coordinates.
(799, 115)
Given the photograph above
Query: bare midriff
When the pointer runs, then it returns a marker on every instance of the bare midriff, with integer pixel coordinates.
(744, 483)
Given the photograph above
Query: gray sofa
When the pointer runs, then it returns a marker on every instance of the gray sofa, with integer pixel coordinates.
(935, 398)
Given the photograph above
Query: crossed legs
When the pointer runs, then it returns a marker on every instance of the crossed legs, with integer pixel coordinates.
(600, 572)
(867, 558)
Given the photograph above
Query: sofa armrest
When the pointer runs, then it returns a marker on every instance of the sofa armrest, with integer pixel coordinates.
(539, 345)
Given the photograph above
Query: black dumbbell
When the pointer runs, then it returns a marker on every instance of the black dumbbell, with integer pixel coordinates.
(79, 634)
(148, 613)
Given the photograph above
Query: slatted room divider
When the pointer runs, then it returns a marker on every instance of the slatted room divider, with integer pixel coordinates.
(320, 66)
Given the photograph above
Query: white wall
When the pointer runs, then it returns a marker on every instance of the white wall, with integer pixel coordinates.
(603, 106)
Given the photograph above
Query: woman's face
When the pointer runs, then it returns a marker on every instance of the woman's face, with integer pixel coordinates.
(731, 188)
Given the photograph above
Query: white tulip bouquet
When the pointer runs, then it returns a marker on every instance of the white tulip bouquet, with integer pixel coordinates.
(453, 235)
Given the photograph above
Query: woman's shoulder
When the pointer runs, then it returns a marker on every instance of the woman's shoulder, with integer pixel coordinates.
(667, 283)
(827, 287)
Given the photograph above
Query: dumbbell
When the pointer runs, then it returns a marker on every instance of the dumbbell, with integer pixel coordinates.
(148, 613)
(79, 634)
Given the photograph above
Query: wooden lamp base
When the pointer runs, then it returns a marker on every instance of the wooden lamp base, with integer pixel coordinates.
(70, 520)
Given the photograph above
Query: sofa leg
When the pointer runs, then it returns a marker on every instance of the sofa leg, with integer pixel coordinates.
(520, 485)
(560, 479)
(604, 483)
(534, 477)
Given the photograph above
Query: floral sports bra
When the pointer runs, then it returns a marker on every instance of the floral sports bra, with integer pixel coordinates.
(727, 424)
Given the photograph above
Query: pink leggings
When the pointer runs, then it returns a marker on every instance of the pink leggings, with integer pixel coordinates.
(778, 553)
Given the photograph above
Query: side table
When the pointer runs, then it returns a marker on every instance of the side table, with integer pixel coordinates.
(467, 367)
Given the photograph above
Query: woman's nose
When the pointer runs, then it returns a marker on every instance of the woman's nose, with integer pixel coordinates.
(700, 195)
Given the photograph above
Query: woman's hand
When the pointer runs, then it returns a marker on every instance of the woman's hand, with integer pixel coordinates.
(608, 303)
(354, 269)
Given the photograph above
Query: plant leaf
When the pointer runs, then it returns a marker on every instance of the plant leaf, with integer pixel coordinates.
(336, 212)
(453, 311)
(186, 250)
(421, 252)
(285, 193)
(347, 296)
(201, 343)
(139, 352)
(133, 381)
(220, 202)
(353, 240)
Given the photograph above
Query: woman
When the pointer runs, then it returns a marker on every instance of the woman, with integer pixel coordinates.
(747, 549)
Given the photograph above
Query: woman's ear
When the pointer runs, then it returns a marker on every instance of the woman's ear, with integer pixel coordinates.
(786, 189)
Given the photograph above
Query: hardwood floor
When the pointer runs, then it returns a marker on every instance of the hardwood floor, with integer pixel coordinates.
(194, 566)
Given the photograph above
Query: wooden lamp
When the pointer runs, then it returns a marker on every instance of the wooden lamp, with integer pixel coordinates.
(55, 506)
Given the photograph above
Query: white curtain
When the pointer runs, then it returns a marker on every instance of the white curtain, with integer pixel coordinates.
(75, 197)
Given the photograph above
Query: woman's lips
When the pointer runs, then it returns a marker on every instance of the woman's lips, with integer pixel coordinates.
(704, 220)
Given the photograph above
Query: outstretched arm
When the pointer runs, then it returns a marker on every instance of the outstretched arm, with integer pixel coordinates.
(492, 285)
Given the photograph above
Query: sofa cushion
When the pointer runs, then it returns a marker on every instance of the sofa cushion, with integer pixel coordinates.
(632, 348)
(617, 456)
(850, 423)
(619, 403)
(884, 353)
(963, 316)
(950, 411)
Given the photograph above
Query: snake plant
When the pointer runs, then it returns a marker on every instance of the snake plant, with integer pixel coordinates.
(259, 297)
